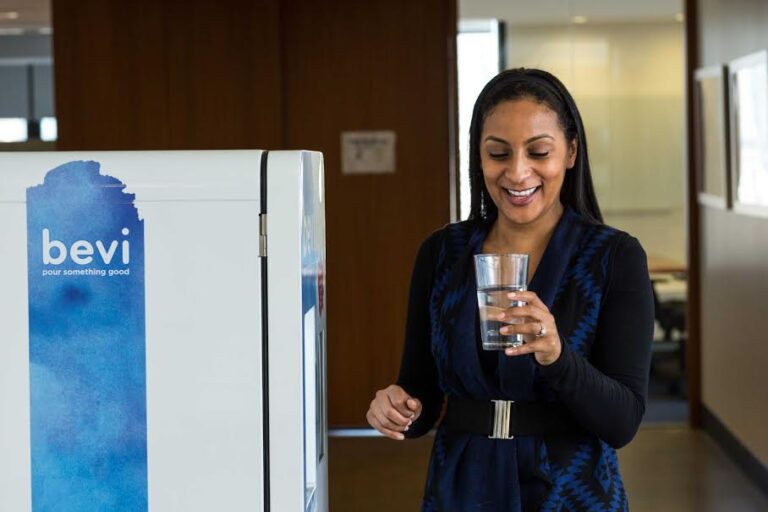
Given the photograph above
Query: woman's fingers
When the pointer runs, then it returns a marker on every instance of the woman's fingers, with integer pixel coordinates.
(392, 411)
(540, 346)
(384, 422)
(514, 314)
(527, 348)
(535, 322)
(533, 329)
(530, 297)
(398, 399)
(490, 312)
(389, 417)
(415, 406)
(546, 349)
(397, 419)
(375, 423)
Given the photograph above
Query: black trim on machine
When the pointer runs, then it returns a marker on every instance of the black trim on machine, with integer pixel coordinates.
(264, 339)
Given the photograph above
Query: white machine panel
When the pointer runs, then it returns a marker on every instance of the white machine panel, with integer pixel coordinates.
(144, 385)
(296, 232)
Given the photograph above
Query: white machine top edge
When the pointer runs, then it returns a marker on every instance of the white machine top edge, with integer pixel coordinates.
(208, 175)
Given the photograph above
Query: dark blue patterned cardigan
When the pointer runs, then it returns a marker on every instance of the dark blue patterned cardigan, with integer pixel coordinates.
(594, 280)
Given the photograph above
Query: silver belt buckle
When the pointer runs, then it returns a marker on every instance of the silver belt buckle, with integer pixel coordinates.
(501, 417)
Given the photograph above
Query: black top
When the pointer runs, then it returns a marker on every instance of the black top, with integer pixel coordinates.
(605, 392)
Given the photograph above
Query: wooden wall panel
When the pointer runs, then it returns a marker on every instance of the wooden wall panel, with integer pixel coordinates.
(171, 74)
(693, 313)
(373, 65)
(274, 74)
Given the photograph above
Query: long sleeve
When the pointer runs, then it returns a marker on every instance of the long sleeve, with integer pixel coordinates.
(607, 393)
(418, 372)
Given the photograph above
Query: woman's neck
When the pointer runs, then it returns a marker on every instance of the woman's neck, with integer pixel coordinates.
(508, 237)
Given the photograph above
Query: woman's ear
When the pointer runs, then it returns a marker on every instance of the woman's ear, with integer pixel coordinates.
(572, 152)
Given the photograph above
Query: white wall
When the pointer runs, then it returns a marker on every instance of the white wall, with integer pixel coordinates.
(734, 266)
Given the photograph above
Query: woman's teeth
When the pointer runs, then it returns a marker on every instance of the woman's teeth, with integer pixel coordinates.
(521, 193)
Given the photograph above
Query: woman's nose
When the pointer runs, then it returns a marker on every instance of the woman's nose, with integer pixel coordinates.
(519, 168)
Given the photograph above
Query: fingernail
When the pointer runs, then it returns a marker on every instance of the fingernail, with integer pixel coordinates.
(500, 316)
(504, 330)
(406, 429)
(511, 295)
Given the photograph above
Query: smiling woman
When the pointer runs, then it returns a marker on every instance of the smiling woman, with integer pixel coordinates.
(534, 427)
(533, 106)
(524, 160)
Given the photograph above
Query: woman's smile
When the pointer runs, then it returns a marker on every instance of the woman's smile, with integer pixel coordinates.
(521, 197)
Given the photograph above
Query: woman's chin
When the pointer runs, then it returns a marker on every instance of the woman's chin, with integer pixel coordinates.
(528, 213)
(522, 213)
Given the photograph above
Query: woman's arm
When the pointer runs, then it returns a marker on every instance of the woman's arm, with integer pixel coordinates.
(607, 394)
(418, 372)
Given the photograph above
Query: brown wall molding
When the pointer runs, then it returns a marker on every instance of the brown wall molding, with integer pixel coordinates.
(693, 347)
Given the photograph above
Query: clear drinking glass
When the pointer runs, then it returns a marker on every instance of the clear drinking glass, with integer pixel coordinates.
(497, 275)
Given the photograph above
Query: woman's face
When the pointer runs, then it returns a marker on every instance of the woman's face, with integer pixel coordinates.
(524, 156)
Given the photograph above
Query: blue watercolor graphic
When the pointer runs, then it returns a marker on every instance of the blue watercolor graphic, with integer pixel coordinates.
(87, 343)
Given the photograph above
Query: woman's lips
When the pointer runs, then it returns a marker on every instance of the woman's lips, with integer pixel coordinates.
(520, 197)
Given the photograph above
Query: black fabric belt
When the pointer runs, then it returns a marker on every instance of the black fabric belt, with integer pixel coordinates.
(505, 419)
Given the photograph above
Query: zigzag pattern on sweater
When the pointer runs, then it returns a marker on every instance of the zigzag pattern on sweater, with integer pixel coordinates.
(574, 486)
(443, 301)
(571, 488)
(590, 292)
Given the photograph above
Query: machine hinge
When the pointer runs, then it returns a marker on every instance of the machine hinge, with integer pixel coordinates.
(262, 235)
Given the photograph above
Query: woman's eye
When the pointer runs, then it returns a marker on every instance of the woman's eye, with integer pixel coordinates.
(538, 154)
(497, 155)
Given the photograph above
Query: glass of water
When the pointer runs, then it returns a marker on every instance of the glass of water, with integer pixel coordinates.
(497, 275)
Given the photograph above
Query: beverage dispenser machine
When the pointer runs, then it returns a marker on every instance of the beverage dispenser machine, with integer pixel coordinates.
(162, 332)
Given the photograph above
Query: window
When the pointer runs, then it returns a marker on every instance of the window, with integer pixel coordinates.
(26, 104)
(13, 129)
(48, 129)
(479, 56)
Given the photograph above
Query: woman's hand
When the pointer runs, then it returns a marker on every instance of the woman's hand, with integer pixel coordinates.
(392, 411)
(538, 326)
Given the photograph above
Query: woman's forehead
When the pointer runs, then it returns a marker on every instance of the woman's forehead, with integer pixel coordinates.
(521, 117)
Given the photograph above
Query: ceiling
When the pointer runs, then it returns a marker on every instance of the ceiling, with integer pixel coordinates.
(544, 12)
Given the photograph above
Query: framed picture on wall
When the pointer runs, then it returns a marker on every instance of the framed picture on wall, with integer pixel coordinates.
(712, 151)
(748, 93)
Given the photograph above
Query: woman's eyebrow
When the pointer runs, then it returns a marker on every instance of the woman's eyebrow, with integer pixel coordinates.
(492, 138)
(537, 137)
